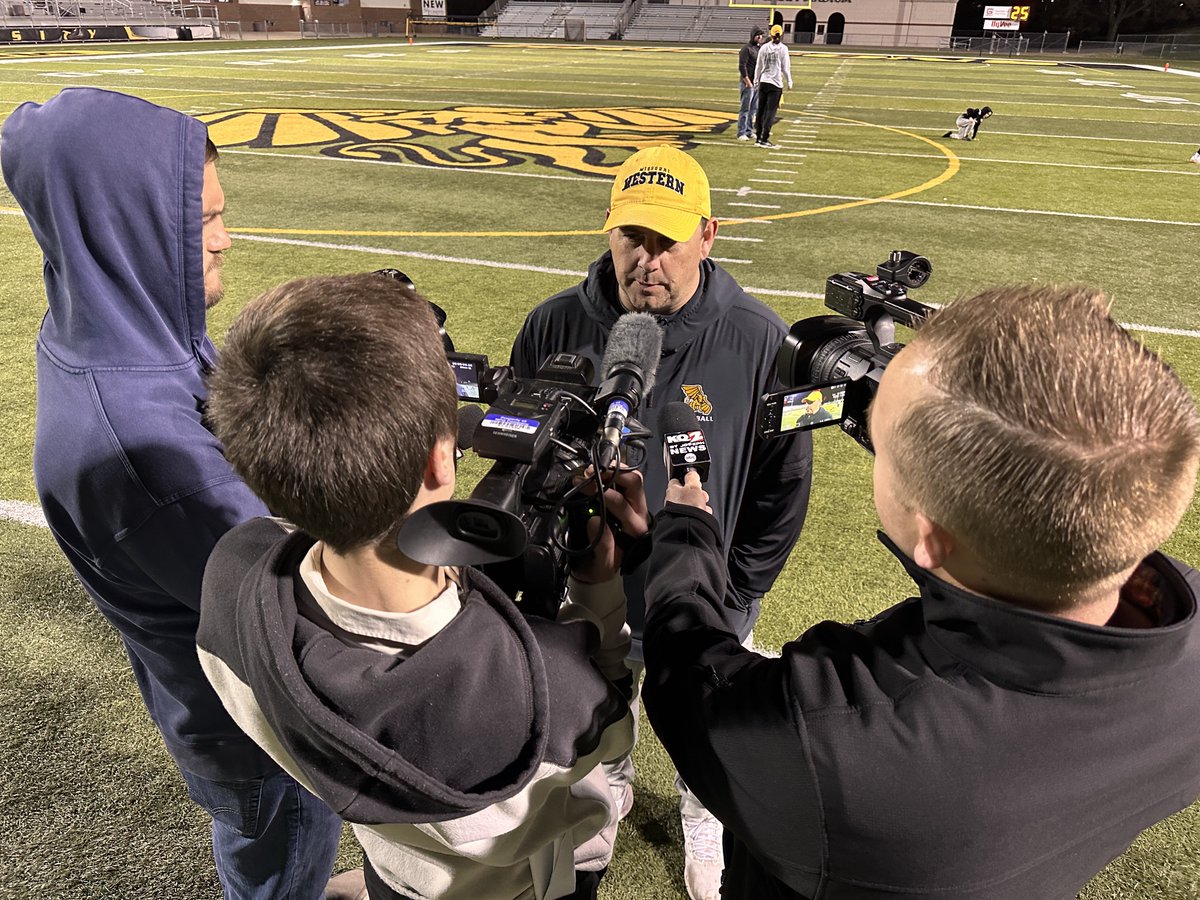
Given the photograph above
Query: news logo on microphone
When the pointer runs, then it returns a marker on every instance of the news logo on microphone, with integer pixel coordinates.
(684, 444)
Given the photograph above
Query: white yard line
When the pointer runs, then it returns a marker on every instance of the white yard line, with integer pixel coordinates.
(943, 205)
(722, 259)
(1011, 162)
(734, 237)
(756, 205)
(769, 181)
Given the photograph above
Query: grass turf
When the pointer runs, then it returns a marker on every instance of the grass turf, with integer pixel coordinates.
(464, 164)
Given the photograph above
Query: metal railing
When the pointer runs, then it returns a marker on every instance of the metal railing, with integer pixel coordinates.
(1142, 46)
(998, 43)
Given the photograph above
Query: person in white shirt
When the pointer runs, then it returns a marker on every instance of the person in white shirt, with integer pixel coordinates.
(770, 71)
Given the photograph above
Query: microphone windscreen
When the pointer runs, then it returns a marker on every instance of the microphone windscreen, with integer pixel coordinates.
(677, 417)
(469, 417)
(635, 339)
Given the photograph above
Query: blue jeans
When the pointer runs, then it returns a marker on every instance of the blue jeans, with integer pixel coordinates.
(272, 839)
(746, 112)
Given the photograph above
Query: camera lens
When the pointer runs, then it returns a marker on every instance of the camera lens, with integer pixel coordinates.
(822, 349)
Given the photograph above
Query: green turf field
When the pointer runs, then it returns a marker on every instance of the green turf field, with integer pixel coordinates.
(480, 170)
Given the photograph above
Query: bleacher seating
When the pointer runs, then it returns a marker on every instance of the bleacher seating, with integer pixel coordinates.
(521, 19)
(694, 24)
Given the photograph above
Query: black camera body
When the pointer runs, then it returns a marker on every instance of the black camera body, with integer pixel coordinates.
(527, 515)
(848, 352)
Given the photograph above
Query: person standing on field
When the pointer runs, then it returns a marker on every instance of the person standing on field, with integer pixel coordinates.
(770, 71)
(747, 59)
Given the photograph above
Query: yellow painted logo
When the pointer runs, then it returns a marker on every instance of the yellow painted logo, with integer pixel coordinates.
(589, 141)
(694, 396)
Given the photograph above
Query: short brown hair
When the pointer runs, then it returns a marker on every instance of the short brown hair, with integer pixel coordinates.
(210, 151)
(1056, 446)
(329, 395)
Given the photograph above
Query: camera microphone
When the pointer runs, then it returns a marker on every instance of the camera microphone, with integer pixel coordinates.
(684, 446)
(629, 366)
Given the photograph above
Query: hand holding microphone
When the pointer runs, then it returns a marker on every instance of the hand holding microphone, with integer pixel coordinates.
(629, 366)
(685, 456)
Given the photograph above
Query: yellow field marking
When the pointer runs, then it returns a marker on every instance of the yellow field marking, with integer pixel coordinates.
(953, 164)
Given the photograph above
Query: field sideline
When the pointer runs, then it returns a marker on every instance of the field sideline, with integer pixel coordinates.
(482, 170)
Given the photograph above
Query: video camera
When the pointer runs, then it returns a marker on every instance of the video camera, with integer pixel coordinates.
(833, 364)
(528, 515)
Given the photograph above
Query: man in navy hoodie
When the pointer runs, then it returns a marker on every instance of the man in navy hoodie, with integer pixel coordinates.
(123, 199)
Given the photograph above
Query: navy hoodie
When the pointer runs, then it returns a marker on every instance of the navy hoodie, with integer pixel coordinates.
(134, 486)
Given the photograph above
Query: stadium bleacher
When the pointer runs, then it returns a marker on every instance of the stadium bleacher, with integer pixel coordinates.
(545, 20)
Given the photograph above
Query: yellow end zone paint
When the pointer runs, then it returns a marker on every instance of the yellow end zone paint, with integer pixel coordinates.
(953, 164)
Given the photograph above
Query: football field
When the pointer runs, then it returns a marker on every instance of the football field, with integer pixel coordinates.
(482, 170)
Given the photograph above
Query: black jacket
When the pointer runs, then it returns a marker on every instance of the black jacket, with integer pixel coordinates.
(718, 356)
(954, 747)
(747, 59)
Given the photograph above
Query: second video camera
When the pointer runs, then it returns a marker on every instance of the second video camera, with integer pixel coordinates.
(833, 364)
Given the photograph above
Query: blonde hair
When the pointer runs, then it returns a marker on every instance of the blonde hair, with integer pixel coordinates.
(1054, 446)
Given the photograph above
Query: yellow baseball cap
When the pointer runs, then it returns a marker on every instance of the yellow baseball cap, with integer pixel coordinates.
(776, 29)
(662, 189)
(813, 397)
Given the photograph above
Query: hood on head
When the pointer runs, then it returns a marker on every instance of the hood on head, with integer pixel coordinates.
(111, 186)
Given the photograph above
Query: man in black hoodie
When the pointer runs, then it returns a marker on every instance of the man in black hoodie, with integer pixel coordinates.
(1011, 730)
(718, 356)
(747, 58)
(461, 740)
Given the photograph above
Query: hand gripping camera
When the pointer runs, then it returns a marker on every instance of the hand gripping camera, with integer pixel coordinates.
(528, 515)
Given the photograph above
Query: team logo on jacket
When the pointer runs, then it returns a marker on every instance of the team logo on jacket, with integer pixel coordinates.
(588, 141)
(694, 396)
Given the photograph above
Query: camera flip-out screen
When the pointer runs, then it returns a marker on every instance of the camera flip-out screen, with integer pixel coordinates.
(803, 408)
(468, 371)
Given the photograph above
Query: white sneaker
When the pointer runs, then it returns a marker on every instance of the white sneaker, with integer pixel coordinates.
(743, 137)
(620, 785)
(623, 798)
(1195, 157)
(703, 857)
(769, 145)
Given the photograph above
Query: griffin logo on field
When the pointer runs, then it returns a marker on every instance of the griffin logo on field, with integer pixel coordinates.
(588, 141)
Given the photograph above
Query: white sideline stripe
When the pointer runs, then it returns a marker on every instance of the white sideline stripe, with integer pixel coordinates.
(723, 259)
(769, 181)
(732, 237)
(414, 254)
(108, 56)
(778, 171)
(758, 205)
(25, 513)
(789, 155)
(1028, 134)
(599, 179)
(1011, 162)
(1003, 209)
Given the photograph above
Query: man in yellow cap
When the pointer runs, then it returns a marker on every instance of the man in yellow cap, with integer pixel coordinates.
(718, 356)
(772, 68)
(814, 412)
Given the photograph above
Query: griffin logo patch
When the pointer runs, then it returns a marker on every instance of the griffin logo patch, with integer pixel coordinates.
(588, 141)
(694, 396)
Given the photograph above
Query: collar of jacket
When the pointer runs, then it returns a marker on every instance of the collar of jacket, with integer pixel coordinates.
(1040, 653)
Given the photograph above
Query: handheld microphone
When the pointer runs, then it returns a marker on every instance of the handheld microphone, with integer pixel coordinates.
(469, 417)
(629, 366)
(684, 446)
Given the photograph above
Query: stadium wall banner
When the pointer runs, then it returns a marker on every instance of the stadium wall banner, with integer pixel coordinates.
(583, 141)
(433, 9)
(59, 35)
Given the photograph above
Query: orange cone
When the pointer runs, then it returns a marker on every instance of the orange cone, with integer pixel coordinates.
(410, 40)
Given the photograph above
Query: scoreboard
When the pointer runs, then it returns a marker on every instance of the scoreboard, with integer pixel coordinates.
(1005, 18)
